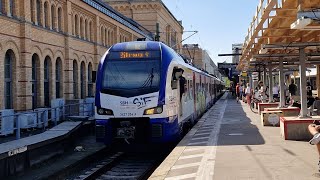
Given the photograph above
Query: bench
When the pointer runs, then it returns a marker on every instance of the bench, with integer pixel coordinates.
(288, 111)
(271, 118)
(295, 128)
(262, 106)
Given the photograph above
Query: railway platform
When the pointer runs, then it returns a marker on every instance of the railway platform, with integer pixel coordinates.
(230, 143)
(21, 155)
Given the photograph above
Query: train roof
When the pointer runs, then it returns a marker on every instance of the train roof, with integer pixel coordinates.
(154, 46)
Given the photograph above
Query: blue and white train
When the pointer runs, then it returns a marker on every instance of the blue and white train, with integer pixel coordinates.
(146, 92)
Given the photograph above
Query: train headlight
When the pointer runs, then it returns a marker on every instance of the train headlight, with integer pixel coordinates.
(155, 110)
(102, 111)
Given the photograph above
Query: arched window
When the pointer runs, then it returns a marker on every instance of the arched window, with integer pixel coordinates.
(2, 6)
(109, 37)
(53, 17)
(39, 12)
(46, 15)
(90, 83)
(32, 11)
(102, 35)
(35, 80)
(47, 75)
(76, 25)
(168, 34)
(81, 28)
(12, 8)
(8, 78)
(86, 29)
(60, 19)
(114, 39)
(83, 80)
(106, 36)
(90, 31)
(58, 78)
(75, 79)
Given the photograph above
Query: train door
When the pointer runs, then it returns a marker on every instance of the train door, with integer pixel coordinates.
(197, 94)
(208, 97)
(186, 102)
(178, 87)
(194, 91)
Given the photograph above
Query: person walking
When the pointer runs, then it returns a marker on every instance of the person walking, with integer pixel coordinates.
(248, 94)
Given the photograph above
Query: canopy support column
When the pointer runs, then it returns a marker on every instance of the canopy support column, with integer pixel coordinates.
(303, 83)
(281, 84)
(270, 83)
(265, 76)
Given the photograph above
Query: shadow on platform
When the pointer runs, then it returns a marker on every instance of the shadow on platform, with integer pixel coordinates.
(237, 128)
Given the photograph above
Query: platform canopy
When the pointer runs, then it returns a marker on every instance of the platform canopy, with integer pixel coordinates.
(278, 29)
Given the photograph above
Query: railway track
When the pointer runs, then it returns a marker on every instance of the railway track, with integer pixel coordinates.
(123, 166)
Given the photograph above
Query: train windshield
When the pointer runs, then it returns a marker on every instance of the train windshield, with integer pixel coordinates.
(132, 76)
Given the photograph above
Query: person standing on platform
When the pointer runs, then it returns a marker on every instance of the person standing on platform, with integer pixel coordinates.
(262, 91)
(286, 93)
(275, 92)
(241, 91)
(310, 98)
(248, 94)
(292, 88)
(309, 88)
(238, 91)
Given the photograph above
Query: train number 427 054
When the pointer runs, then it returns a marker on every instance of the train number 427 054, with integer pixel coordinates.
(128, 114)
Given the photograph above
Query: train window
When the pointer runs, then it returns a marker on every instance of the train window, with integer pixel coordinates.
(124, 76)
(207, 88)
(188, 90)
(191, 89)
(186, 86)
(174, 82)
(176, 75)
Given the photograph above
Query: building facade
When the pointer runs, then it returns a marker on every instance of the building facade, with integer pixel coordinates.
(200, 58)
(150, 12)
(236, 49)
(49, 48)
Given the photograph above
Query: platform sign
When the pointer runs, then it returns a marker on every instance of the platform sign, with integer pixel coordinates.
(255, 76)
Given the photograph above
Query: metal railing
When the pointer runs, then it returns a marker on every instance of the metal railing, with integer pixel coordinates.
(43, 116)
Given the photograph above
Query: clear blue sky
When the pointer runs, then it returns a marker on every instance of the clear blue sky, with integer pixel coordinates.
(220, 23)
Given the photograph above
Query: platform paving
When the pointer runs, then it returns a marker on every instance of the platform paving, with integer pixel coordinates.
(229, 143)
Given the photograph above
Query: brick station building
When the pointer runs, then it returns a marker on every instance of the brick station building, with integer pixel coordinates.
(49, 48)
(150, 12)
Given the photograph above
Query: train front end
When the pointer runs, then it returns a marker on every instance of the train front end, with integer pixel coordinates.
(129, 96)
